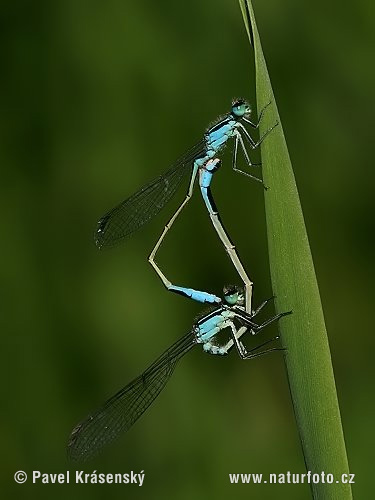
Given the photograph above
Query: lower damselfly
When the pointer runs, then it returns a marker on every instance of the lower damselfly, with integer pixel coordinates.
(122, 410)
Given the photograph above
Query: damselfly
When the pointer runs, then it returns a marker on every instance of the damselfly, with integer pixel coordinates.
(130, 215)
(122, 410)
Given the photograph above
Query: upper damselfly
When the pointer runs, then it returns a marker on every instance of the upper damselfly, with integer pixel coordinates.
(130, 215)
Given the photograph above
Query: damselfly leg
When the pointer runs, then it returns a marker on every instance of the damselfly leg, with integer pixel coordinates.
(263, 304)
(241, 349)
(238, 139)
(256, 125)
(241, 129)
(167, 227)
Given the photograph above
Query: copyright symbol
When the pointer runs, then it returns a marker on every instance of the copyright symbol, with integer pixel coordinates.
(20, 477)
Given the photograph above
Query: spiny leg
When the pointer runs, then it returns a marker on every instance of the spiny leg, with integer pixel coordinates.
(256, 125)
(254, 330)
(167, 227)
(259, 346)
(254, 327)
(261, 353)
(231, 251)
(239, 346)
(238, 138)
(273, 319)
(197, 295)
(254, 144)
(234, 158)
(253, 354)
(244, 354)
(260, 307)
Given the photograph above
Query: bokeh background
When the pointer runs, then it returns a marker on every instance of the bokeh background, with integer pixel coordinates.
(98, 98)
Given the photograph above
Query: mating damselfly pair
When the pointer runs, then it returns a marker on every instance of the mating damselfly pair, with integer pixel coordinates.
(233, 312)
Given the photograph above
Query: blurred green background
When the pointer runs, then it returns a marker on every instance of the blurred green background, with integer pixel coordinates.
(98, 98)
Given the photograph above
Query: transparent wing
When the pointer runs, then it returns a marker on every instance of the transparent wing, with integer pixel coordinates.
(135, 211)
(120, 412)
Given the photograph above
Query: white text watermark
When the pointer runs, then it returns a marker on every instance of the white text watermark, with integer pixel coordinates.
(80, 477)
(291, 478)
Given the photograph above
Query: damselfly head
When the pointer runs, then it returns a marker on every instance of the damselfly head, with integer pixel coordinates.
(233, 295)
(240, 108)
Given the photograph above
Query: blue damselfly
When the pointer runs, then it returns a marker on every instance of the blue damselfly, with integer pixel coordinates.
(122, 410)
(130, 215)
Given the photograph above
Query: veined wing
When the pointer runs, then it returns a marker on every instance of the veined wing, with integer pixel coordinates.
(123, 409)
(142, 206)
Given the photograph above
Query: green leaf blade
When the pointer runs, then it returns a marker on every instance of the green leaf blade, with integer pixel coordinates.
(307, 356)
